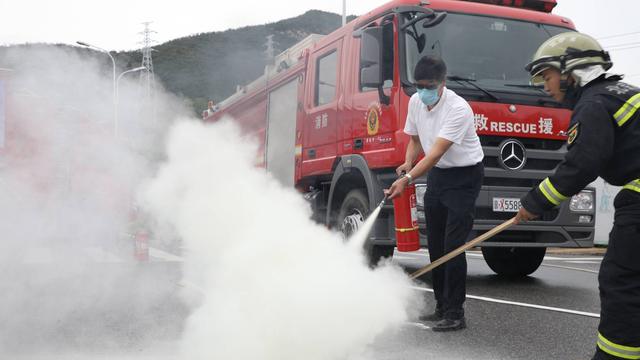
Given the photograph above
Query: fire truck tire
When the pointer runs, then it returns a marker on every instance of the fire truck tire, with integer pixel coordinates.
(513, 261)
(353, 212)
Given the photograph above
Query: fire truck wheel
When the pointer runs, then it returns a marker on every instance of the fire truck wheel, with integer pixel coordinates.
(513, 262)
(353, 212)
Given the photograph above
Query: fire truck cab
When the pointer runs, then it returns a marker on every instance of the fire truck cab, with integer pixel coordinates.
(330, 115)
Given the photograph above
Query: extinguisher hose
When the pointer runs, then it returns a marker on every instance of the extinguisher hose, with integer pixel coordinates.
(383, 201)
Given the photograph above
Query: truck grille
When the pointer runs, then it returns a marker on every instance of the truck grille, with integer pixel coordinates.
(543, 157)
(530, 144)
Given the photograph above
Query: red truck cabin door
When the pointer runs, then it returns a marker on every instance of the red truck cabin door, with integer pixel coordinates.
(373, 121)
(321, 109)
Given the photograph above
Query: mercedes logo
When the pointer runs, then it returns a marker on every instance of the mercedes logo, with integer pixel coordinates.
(513, 155)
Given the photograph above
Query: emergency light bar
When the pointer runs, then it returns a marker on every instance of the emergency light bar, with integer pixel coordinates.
(538, 5)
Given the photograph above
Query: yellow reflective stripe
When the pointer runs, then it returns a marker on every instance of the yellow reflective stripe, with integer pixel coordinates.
(621, 351)
(627, 110)
(550, 192)
(402, 230)
(633, 185)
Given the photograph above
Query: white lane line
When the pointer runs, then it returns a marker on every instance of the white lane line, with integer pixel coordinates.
(479, 254)
(570, 268)
(418, 325)
(476, 256)
(515, 303)
(554, 258)
(163, 255)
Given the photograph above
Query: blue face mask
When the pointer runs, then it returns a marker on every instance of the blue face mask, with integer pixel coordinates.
(429, 97)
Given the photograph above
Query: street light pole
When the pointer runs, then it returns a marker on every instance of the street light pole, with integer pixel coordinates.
(113, 61)
(117, 95)
(344, 12)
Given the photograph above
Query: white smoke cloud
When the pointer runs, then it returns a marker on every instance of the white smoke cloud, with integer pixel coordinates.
(67, 186)
(275, 285)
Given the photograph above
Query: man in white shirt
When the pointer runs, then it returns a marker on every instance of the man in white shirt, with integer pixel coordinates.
(441, 125)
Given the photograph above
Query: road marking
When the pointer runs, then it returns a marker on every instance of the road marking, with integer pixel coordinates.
(163, 255)
(515, 303)
(570, 268)
(586, 260)
(418, 325)
(477, 256)
(573, 258)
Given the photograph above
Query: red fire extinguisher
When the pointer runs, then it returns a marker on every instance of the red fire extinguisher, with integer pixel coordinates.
(406, 219)
(141, 246)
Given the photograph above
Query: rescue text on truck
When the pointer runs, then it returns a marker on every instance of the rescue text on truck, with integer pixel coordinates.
(330, 116)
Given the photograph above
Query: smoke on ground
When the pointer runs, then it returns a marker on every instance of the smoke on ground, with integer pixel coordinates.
(274, 284)
(67, 189)
(271, 283)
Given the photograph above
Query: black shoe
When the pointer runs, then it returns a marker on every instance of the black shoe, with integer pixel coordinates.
(435, 316)
(450, 325)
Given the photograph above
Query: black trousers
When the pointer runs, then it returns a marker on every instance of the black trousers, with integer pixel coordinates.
(449, 209)
(619, 280)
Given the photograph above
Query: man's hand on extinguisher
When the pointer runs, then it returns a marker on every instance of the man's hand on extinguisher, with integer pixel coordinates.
(396, 188)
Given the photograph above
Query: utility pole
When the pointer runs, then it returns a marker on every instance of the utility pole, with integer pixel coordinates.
(270, 52)
(269, 55)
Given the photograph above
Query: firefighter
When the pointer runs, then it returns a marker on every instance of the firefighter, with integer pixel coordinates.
(603, 140)
(441, 125)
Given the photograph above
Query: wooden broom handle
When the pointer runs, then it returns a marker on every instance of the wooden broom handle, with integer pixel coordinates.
(463, 248)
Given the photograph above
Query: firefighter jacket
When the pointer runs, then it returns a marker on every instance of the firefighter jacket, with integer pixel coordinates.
(603, 140)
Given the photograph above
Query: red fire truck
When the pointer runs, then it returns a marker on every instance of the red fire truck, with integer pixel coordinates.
(330, 114)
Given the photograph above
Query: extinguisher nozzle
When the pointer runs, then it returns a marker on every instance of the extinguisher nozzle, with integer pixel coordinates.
(383, 201)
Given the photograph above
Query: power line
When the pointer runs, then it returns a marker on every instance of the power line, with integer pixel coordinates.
(625, 48)
(622, 45)
(618, 35)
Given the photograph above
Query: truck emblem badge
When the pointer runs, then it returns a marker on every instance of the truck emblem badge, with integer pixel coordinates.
(373, 119)
(513, 155)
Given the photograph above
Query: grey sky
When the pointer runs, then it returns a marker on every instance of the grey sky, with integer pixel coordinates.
(115, 24)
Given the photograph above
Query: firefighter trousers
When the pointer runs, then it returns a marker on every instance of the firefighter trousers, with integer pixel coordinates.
(619, 280)
(449, 208)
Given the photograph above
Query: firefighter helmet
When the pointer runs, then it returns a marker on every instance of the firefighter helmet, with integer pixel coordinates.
(566, 52)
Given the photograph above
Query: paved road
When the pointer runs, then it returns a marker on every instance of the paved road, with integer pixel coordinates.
(549, 315)
(552, 314)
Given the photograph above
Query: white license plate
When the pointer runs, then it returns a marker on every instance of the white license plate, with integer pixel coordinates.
(506, 204)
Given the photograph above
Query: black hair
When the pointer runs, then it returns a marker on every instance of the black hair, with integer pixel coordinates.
(430, 68)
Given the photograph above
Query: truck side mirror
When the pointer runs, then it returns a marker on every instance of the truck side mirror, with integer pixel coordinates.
(371, 61)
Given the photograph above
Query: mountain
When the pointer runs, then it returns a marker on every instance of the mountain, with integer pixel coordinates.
(208, 66)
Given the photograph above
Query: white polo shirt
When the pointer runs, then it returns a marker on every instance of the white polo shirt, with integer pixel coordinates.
(451, 119)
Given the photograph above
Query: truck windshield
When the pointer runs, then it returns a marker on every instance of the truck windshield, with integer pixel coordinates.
(491, 51)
